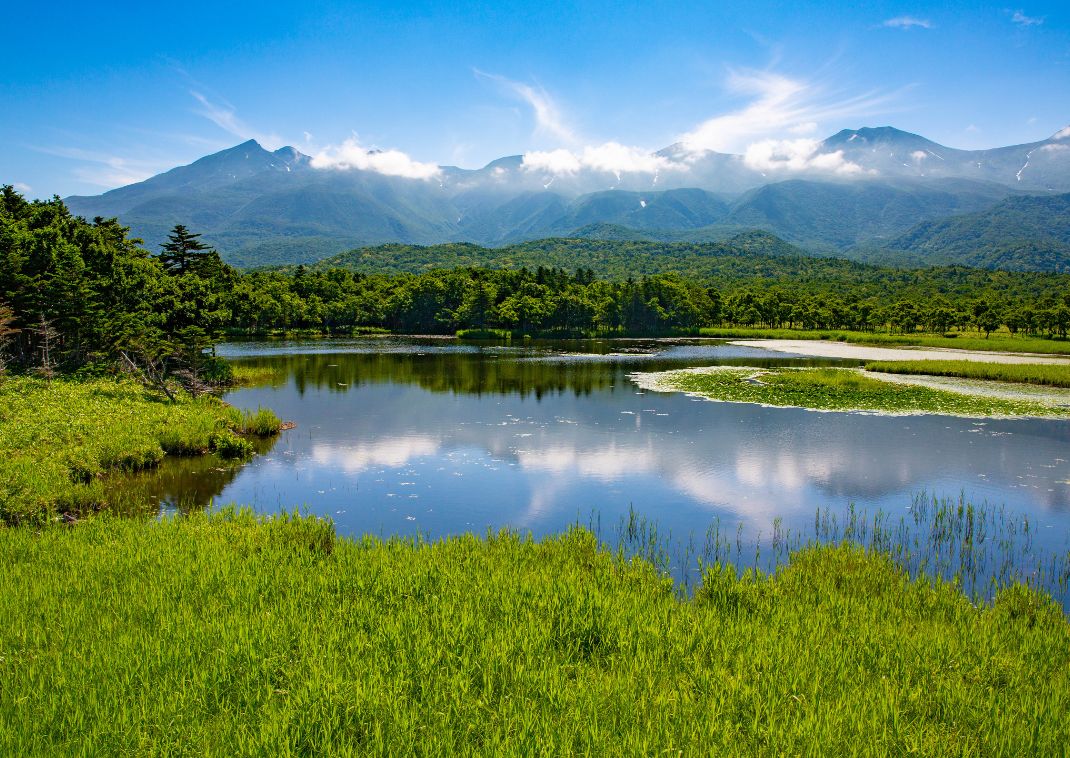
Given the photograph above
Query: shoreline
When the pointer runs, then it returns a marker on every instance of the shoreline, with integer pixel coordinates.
(846, 350)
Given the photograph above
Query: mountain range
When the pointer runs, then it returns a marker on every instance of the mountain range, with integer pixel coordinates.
(870, 193)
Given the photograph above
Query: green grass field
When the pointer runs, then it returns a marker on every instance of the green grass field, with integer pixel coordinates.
(1003, 342)
(835, 389)
(60, 441)
(228, 635)
(1048, 375)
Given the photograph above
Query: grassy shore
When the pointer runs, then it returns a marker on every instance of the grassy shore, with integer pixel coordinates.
(59, 441)
(834, 389)
(228, 635)
(1003, 342)
(1047, 375)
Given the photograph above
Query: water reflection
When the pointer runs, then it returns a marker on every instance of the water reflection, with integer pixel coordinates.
(397, 436)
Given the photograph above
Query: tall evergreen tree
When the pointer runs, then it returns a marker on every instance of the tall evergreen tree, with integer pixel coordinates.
(184, 251)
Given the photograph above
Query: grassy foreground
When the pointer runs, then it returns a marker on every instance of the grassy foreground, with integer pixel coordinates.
(1002, 342)
(1049, 375)
(58, 441)
(229, 635)
(835, 389)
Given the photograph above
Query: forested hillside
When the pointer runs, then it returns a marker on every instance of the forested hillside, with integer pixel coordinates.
(1029, 233)
(76, 294)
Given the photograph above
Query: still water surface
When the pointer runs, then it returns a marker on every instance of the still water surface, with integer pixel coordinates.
(404, 436)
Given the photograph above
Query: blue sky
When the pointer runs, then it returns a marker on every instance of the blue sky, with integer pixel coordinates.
(94, 96)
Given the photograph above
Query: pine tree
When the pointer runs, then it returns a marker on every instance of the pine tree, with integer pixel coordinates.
(184, 251)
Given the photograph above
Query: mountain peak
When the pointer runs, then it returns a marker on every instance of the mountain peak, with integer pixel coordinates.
(873, 134)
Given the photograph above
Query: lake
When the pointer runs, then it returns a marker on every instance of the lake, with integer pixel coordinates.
(406, 436)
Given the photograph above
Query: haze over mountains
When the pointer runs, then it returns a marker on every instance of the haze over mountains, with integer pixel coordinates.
(874, 193)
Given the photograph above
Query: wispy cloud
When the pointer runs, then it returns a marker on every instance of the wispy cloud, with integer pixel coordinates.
(22, 187)
(907, 22)
(777, 104)
(548, 118)
(108, 170)
(226, 118)
(1023, 20)
(351, 154)
(610, 157)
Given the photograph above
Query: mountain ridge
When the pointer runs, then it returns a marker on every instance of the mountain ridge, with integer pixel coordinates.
(262, 207)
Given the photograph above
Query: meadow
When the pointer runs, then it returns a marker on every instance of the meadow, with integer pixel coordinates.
(836, 389)
(61, 440)
(233, 634)
(1048, 375)
(1002, 341)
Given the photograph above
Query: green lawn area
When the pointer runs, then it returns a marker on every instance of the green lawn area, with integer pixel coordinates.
(229, 635)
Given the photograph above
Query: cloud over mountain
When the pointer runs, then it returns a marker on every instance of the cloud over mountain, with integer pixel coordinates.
(352, 155)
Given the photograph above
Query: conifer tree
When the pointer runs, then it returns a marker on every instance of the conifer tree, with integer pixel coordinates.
(184, 251)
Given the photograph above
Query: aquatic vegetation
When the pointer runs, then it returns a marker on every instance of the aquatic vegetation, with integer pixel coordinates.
(233, 634)
(836, 389)
(60, 440)
(261, 423)
(1050, 375)
(244, 374)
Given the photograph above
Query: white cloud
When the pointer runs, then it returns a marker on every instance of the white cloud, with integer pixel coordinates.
(1023, 20)
(548, 118)
(919, 155)
(108, 170)
(797, 155)
(777, 104)
(392, 453)
(1054, 148)
(560, 161)
(908, 22)
(225, 117)
(25, 189)
(611, 157)
(1062, 133)
(352, 155)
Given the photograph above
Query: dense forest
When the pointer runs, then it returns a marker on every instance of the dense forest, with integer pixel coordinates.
(75, 292)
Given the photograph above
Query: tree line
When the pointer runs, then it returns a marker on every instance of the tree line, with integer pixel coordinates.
(77, 293)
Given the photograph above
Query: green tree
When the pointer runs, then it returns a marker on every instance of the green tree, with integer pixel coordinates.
(184, 251)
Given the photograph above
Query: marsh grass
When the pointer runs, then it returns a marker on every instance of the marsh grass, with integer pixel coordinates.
(60, 441)
(1003, 342)
(246, 374)
(981, 549)
(836, 389)
(231, 634)
(1050, 375)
